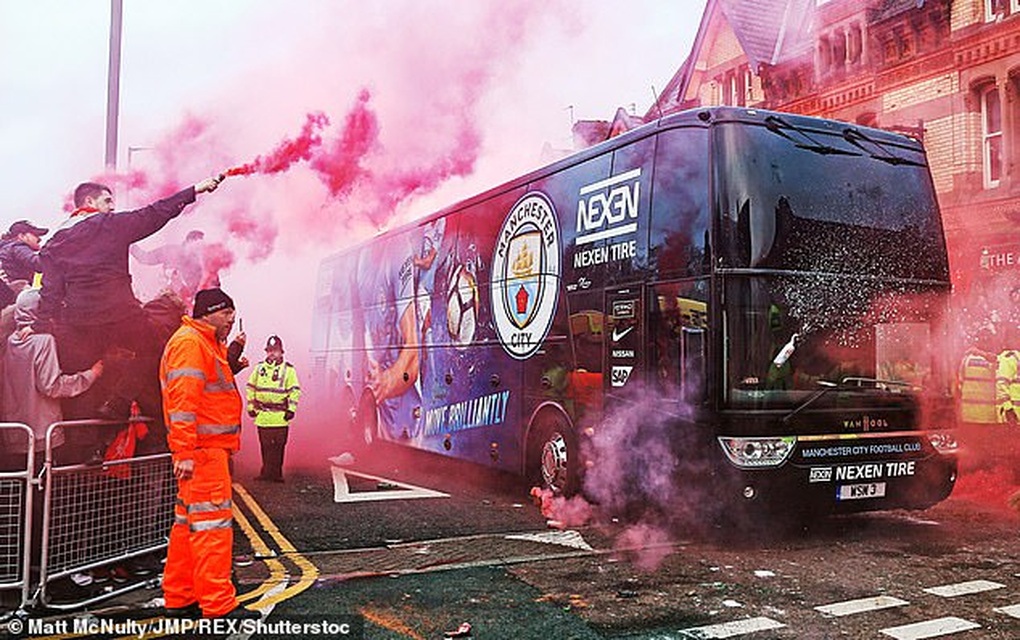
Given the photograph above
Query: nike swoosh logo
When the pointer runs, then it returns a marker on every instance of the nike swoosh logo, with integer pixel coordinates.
(619, 336)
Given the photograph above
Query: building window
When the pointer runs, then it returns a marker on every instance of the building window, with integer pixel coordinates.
(854, 43)
(1014, 6)
(824, 55)
(731, 94)
(996, 9)
(746, 86)
(991, 135)
(838, 50)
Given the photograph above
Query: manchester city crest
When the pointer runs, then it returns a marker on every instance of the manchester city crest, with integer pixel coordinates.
(526, 275)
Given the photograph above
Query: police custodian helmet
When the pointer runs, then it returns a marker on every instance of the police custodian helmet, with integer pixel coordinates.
(274, 342)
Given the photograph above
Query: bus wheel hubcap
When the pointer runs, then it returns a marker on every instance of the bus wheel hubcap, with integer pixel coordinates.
(554, 461)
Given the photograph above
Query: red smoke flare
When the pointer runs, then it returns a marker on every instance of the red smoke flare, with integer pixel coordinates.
(339, 164)
(561, 512)
(288, 151)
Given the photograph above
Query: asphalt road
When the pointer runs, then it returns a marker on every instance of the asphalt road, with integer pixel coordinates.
(483, 554)
(406, 545)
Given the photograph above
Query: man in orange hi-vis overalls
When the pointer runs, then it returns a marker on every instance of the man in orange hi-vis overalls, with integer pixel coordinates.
(202, 409)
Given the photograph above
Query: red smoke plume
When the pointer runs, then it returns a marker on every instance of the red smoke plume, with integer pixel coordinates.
(338, 164)
(288, 151)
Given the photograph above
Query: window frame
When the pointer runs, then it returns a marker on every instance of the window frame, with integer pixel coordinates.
(989, 137)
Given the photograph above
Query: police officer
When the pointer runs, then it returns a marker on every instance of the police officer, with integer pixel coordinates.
(273, 391)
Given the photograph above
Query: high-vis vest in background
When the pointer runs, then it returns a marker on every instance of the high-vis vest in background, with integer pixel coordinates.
(1007, 383)
(977, 389)
(272, 390)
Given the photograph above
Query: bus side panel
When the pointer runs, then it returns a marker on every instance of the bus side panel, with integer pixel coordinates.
(470, 387)
(337, 340)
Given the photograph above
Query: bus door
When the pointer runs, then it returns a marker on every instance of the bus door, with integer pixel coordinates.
(677, 329)
(625, 337)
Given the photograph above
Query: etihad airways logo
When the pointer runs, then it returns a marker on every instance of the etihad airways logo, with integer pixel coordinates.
(608, 208)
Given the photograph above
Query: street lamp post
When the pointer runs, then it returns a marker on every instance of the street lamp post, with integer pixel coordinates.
(113, 83)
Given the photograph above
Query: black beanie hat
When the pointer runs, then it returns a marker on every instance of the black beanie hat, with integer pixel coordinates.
(210, 301)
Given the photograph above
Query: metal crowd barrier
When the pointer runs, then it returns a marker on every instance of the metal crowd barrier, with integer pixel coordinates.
(98, 513)
(16, 509)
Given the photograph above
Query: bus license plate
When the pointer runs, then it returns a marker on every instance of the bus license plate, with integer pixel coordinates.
(861, 491)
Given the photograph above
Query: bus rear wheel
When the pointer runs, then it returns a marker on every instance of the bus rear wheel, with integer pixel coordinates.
(554, 456)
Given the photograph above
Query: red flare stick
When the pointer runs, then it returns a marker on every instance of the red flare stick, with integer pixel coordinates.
(242, 170)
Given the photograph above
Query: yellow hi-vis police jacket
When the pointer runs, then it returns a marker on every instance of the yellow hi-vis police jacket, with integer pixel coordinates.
(272, 390)
(1007, 383)
(977, 388)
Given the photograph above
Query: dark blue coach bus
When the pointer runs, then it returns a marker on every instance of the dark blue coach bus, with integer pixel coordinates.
(773, 284)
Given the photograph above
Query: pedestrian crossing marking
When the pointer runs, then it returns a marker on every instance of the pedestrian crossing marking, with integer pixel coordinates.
(1012, 610)
(731, 629)
(402, 491)
(964, 588)
(930, 628)
(572, 539)
(850, 607)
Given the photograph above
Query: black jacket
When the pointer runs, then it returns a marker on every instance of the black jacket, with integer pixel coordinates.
(19, 261)
(85, 264)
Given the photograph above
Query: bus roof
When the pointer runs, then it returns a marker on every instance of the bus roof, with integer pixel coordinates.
(700, 117)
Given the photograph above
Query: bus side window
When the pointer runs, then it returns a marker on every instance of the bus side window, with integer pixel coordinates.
(692, 364)
(679, 319)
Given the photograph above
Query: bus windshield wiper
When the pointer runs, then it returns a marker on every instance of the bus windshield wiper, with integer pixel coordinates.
(854, 137)
(845, 384)
(775, 124)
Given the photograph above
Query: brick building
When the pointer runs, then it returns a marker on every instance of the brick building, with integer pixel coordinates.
(947, 71)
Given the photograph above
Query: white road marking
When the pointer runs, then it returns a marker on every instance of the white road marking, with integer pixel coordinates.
(861, 605)
(342, 491)
(930, 628)
(731, 629)
(572, 539)
(1011, 610)
(964, 588)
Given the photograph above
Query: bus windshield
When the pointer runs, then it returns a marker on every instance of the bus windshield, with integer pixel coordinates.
(830, 200)
(789, 336)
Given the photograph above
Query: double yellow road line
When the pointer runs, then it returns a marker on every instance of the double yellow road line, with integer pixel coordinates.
(276, 588)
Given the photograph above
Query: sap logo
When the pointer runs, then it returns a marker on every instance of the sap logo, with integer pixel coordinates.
(820, 474)
(608, 208)
(620, 375)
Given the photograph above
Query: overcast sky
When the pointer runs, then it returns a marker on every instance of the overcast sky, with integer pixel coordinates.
(218, 82)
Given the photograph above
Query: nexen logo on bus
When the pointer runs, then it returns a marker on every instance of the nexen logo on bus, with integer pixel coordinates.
(608, 208)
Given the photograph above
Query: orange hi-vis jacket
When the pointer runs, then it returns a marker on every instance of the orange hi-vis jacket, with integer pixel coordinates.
(201, 403)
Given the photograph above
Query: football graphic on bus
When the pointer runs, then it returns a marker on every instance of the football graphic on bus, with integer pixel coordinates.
(462, 306)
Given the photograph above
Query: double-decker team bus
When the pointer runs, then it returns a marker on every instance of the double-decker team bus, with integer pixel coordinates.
(772, 284)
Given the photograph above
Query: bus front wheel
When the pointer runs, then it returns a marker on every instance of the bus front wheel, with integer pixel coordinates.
(554, 456)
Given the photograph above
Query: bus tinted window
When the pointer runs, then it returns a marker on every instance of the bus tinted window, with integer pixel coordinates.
(788, 337)
(629, 199)
(581, 225)
(814, 201)
(679, 226)
(679, 328)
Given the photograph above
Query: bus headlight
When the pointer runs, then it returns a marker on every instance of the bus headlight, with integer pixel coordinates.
(750, 453)
(943, 442)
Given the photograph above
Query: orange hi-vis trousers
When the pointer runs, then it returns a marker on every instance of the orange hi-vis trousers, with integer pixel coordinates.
(198, 561)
